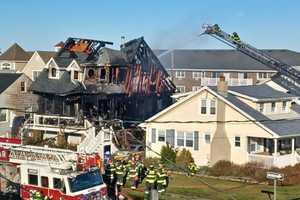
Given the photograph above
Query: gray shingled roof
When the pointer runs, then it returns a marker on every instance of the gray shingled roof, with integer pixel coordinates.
(15, 52)
(261, 92)
(6, 79)
(62, 86)
(109, 56)
(284, 128)
(222, 59)
(46, 55)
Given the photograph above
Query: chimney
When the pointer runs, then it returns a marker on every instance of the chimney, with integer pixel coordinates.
(222, 86)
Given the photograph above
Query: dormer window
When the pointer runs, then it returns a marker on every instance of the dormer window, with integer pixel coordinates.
(76, 75)
(53, 72)
(6, 66)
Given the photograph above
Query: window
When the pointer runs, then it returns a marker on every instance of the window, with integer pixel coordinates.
(23, 86)
(180, 88)
(213, 107)
(91, 73)
(189, 139)
(273, 106)
(197, 75)
(6, 66)
(32, 179)
(161, 136)
(35, 74)
(195, 88)
(170, 137)
(243, 75)
(262, 75)
(76, 75)
(53, 72)
(261, 107)
(3, 115)
(196, 140)
(102, 74)
(180, 138)
(44, 181)
(237, 141)
(180, 74)
(203, 106)
(207, 138)
(57, 183)
(153, 135)
(284, 106)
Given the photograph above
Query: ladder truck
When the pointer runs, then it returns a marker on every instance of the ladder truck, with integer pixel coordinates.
(288, 76)
(57, 174)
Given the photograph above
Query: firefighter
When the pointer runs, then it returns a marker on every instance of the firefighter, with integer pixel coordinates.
(235, 37)
(37, 196)
(150, 181)
(162, 179)
(120, 173)
(110, 178)
(141, 171)
(133, 176)
(192, 168)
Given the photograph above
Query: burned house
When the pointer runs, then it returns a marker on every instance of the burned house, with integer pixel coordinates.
(87, 83)
(86, 78)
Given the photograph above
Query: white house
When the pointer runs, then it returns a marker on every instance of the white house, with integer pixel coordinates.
(240, 124)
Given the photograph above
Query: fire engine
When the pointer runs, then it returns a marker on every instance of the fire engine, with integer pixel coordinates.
(58, 174)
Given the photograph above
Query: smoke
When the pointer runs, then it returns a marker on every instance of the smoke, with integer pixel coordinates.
(182, 34)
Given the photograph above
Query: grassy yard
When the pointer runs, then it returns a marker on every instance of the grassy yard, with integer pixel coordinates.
(191, 188)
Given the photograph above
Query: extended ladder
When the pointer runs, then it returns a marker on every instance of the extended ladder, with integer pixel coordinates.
(290, 76)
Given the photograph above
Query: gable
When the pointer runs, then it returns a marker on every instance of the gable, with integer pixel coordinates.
(73, 66)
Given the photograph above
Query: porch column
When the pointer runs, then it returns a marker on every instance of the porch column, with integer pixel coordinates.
(275, 146)
(293, 145)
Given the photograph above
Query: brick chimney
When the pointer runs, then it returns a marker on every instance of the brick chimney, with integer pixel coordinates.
(222, 86)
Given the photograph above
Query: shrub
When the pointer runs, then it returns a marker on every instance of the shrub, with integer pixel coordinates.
(151, 161)
(183, 158)
(291, 175)
(168, 154)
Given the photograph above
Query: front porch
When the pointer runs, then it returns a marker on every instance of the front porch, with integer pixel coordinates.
(277, 152)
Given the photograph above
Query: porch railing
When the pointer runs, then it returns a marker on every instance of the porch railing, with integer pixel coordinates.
(56, 121)
(274, 160)
(231, 81)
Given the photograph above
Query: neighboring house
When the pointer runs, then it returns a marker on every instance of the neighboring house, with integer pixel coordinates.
(86, 84)
(36, 63)
(14, 59)
(240, 124)
(192, 68)
(15, 98)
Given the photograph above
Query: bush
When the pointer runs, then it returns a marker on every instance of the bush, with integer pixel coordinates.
(183, 158)
(168, 154)
(151, 161)
(291, 175)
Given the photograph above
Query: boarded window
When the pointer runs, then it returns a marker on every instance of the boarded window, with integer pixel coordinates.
(153, 135)
(196, 140)
(170, 137)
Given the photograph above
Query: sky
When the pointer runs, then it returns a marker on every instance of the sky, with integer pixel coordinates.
(165, 24)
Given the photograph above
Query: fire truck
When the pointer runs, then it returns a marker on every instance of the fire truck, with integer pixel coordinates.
(58, 174)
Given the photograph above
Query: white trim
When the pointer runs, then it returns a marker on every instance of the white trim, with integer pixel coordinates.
(220, 70)
(7, 116)
(25, 86)
(70, 66)
(33, 79)
(180, 77)
(180, 86)
(51, 60)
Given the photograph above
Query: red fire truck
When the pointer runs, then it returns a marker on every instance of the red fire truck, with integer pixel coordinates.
(55, 173)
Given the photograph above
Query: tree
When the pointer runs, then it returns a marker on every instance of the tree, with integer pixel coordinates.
(168, 154)
(184, 157)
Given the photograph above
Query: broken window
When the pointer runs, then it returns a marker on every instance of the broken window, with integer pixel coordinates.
(102, 74)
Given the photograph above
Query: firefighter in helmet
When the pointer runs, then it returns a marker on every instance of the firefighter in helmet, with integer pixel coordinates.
(162, 179)
(150, 181)
(236, 37)
(193, 169)
(133, 176)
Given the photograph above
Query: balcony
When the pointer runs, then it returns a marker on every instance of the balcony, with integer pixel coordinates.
(231, 82)
(56, 123)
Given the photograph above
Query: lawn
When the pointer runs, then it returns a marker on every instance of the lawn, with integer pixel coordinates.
(191, 188)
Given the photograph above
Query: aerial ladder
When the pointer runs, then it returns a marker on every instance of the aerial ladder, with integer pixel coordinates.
(289, 77)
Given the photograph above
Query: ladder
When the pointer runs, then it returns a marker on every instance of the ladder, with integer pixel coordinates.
(38, 155)
(290, 77)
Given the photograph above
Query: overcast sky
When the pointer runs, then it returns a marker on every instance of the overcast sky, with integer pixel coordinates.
(167, 24)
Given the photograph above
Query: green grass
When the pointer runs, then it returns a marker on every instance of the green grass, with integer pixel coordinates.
(191, 188)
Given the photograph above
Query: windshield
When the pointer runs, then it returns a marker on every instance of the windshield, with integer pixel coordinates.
(85, 180)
